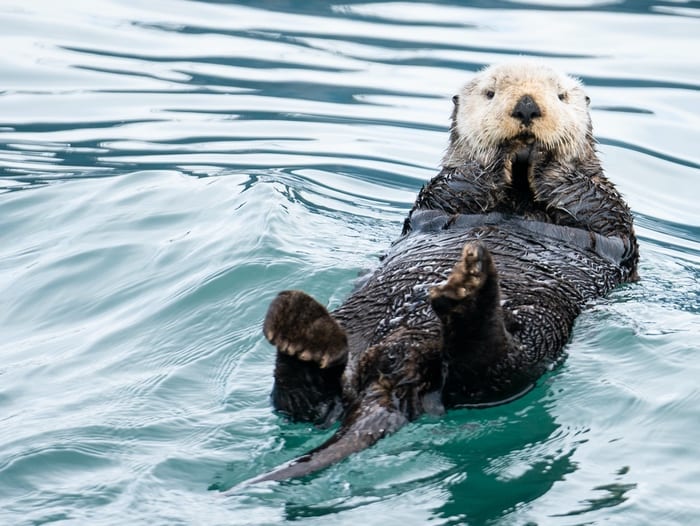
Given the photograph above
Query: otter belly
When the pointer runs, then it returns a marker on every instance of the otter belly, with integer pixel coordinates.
(546, 274)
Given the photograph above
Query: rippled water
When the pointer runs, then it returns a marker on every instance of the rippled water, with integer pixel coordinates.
(166, 167)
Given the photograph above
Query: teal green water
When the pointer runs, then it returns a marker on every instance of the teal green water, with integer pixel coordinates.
(166, 167)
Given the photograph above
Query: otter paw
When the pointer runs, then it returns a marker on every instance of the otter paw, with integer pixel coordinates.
(467, 277)
(300, 326)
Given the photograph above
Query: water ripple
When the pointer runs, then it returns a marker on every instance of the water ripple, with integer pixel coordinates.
(166, 168)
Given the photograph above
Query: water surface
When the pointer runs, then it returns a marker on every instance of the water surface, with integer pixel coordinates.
(167, 167)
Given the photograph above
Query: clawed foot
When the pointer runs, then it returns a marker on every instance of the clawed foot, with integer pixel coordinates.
(300, 326)
(468, 277)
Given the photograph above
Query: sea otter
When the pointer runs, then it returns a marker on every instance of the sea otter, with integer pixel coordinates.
(477, 297)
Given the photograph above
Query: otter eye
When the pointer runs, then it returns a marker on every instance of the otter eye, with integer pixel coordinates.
(455, 99)
(562, 96)
(490, 94)
(588, 99)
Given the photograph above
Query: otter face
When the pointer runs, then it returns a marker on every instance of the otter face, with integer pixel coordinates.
(516, 110)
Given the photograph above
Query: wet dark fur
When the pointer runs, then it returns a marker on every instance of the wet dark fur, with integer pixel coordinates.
(523, 244)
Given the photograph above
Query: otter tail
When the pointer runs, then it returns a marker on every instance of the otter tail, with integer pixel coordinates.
(364, 426)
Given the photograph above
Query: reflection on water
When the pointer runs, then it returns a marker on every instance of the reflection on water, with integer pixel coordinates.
(166, 167)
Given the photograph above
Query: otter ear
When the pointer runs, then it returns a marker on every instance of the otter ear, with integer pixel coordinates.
(455, 108)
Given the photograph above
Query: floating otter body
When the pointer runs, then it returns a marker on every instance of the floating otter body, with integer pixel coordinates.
(477, 297)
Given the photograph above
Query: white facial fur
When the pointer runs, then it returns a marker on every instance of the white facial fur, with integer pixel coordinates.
(483, 121)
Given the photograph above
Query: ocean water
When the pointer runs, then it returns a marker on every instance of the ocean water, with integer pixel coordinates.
(167, 166)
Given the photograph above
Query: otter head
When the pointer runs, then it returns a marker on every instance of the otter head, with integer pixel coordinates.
(519, 112)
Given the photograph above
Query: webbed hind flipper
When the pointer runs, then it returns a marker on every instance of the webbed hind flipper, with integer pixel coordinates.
(311, 355)
(300, 326)
(462, 292)
(474, 334)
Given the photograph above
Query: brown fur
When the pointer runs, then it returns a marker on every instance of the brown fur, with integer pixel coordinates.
(501, 251)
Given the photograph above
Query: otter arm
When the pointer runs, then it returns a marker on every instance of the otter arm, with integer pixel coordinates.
(587, 200)
(614, 249)
(467, 189)
(580, 197)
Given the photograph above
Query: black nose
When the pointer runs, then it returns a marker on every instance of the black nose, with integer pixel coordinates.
(526, 109)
